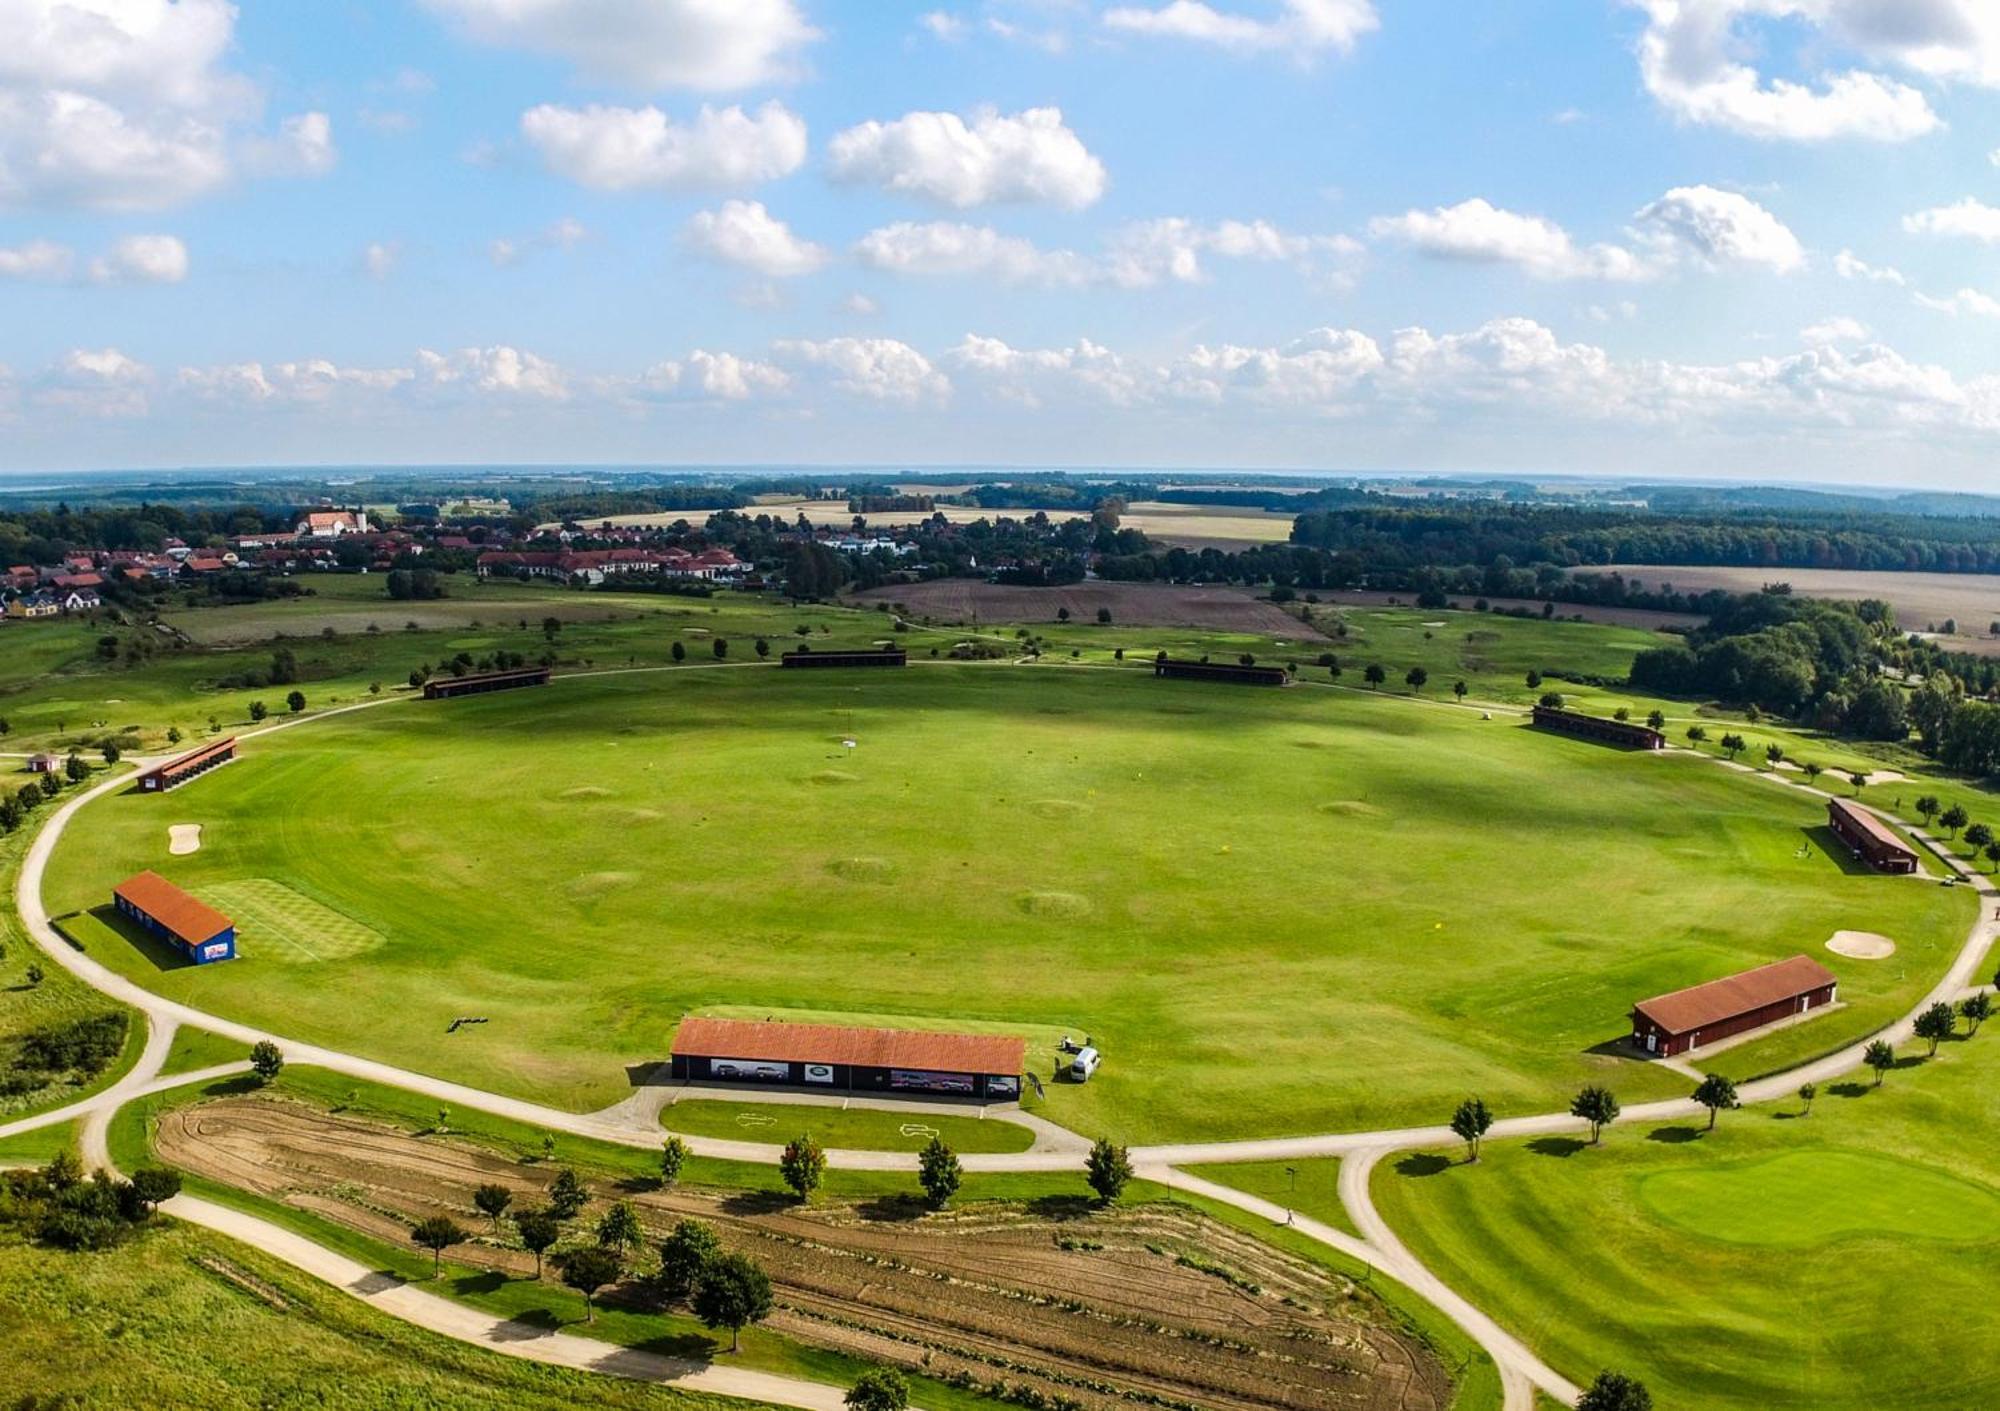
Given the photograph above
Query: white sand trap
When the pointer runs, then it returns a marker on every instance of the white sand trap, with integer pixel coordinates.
(184, 838)
(1861, 945)
(1885, 776)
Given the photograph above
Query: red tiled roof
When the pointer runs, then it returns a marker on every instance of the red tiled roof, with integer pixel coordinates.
(1871, 825)
(1697, 1007)
(192, 757)
(193, 921)
(830, 1043)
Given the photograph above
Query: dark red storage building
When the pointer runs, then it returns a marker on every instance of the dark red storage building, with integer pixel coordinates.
(443, 688)
(1221, 671)
(838, 1058)
(1869, 837)
(1686, 1019)
(860, 656)
(1592, 727)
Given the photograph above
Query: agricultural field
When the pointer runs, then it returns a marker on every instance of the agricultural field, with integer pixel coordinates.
(1923, 601)
(1839, 1261)
(1252, 930)
(1155, 1299)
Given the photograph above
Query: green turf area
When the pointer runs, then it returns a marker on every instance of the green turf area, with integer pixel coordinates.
(295, 929)
(1841, 1261)
(856, 1128)
(1311, 1187)
(38, 1147)
(181, 1318)
(1276, 911)
(195, 1049)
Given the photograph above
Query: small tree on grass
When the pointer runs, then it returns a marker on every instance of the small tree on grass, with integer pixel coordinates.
(1928, 808)
(1733, 744)
(1459, 688)
(879, 1389)
(295, 702)
(1552, 700)
(679, 652)
(618, 1229)
(258, 710)
(567, 1194)
(538, 1229)
(75, 770)
(938, 1173)
(1597, 1106)
(1470, 1123)
(1374, 675)
(1657, 719)
(1614, 1391)
(1977, 1009)
(266, 1061)
(1954, 818)
(152, 1185)
(112, 754)
(1807, 1092)
(1774, 754)
(1534, 679)
(673, 1156)
(1936, 1024)
(1716, 1092)
(732, 1293)
(587, 1269)
(1977, 837)
(1812, 769)
(1879, 1056)
(721, 648)
(1416, 677)
(492, 1200)
(1108, 1170)
(33, 975)
(1858, 780)
(803, 1165)
(684, 1253)
(437, 1234)
(1696, 734)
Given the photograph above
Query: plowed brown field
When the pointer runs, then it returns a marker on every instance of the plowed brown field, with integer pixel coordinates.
(1153, 1304)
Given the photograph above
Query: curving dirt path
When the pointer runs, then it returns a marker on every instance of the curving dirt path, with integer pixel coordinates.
(1522, 1373)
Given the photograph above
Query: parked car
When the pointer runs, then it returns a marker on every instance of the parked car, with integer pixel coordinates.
(1083, 1065)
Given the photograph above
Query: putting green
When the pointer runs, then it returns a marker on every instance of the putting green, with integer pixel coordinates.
(272, 919)
(1805, 1198)
(1045, 848)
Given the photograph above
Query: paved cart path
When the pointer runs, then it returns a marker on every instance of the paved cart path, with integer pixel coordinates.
(1522, 1373)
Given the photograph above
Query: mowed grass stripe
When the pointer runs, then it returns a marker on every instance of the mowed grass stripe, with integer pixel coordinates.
(268, 912)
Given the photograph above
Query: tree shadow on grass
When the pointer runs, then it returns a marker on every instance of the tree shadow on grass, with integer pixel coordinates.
(1423, 1163)
(235, 1086)
(1850, 1090)
(1063, 1207)
(757, 1203)
(528, 1326)
(486, 1281)
(892, 1209)
(1557, 1146)
(1827, 844)
(1674, 1136)
(691, 1347)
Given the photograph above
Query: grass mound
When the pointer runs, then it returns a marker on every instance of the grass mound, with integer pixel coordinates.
(586, 791)
(1350, 808)
(1058, 808)
(596, 884)
(1054, 906)
(833, 776)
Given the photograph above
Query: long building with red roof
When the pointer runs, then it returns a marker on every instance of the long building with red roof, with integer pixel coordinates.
(839, 1058)
(192, 926)
(1704, 1014)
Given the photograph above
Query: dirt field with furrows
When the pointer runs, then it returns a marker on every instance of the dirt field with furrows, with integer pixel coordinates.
(964, 601)
(1153, 1304)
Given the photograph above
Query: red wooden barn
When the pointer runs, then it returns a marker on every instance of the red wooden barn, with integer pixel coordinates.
(1686, 1019)
(1871, 839)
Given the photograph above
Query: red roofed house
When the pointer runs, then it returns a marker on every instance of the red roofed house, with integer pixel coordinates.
(854, 1060)
(1869, 837)
(1686, 1019)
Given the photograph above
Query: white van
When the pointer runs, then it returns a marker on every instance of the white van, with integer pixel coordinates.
(1083, 1065)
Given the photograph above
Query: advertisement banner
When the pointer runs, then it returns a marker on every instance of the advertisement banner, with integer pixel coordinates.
(1003, 1087)
(917, 1080)
(746, 1069)
(819, 1073)
(218, 951)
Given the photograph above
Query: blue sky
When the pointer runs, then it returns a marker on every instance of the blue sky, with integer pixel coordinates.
(1751, 237)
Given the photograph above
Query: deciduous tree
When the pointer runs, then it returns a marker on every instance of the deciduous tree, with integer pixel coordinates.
(492, 1200)
(538, 1229)
(673, 1156)
(266, 1061)
(938, 1173)
(732, 1293)
(1108, 1170)
(1614, 1391)
(1716, 1092)
(684, 1253)
(803, 1165)
(567, 1194)
(1879, 1056)
(1597, 1106)
(587, 1269)
(1470, 1123)
(1936, 1024)
(437, 1234)
(879, 1389)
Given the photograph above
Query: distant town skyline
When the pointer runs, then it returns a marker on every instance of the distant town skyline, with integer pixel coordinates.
(1709, 238)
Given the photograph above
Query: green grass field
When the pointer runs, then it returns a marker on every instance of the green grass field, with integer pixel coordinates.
(1275, 911)
(859, 1129)
(1842, 1261)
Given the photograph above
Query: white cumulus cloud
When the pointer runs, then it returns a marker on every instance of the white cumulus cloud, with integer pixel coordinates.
(142, 259)
(1029, 156)
(707, 45)
(42, 261)
(1723, 228)
(1478, 231)
(1849, 265)
(881, 369)
(1300, 27)
(743, 233)
(625, 149)
(1970, 219)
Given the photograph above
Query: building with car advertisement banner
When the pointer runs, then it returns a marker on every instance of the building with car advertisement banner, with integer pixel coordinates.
(897, 1062)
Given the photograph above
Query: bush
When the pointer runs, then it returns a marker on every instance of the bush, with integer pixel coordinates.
(84, 1045)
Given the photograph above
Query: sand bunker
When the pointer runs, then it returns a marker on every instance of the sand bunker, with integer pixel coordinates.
(184, 838)
(1861, 945)
(1060, 906)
